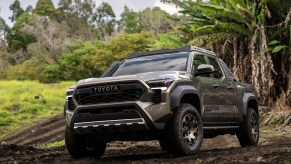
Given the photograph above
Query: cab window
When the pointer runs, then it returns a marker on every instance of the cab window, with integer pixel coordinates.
(218, 72)
(199, 59)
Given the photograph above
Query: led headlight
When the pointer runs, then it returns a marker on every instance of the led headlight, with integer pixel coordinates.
(161, 84)
(70, 91)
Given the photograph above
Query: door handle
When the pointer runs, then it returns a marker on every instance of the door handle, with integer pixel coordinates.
(215, 86)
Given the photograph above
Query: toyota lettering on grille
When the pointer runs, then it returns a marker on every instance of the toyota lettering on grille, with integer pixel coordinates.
(106, 89)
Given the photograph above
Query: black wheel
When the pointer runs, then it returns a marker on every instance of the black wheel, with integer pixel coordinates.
(164, 144)
(77, 145)
(185, 131)
(249, 132)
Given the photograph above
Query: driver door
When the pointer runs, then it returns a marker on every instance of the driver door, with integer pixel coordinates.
(216, 99)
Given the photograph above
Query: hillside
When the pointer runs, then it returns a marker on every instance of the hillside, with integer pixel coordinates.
(26, 102)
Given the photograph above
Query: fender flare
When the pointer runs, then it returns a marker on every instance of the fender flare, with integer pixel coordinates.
(246, 98)
(179, 92)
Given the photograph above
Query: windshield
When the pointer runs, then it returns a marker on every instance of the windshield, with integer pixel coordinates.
(166, 62)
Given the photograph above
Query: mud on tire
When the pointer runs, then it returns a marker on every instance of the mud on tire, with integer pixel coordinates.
(77, 145)
(248, 133)
(184, 131)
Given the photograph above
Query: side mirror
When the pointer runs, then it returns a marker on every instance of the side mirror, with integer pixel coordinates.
(204, 69)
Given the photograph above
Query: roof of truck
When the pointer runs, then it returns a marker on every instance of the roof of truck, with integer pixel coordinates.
(182, 49)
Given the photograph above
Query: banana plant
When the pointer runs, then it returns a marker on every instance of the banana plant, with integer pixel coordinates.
(228, 16)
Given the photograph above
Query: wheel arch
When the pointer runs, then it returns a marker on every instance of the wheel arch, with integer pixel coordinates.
(185, 94)
(250, 101)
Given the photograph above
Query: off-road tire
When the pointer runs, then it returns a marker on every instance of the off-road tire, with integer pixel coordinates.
(77, 145)
(164, 144)
(248, 133)
(178, 139)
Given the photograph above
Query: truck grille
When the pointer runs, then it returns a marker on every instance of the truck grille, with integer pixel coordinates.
(115, 93)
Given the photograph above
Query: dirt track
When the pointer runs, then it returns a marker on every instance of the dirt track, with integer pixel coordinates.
(275, 147)
(46, 131)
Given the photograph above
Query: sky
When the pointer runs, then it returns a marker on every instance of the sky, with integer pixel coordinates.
(117, 5)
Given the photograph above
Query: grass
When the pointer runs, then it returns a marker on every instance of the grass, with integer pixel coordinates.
(25, 102)
(53, 144)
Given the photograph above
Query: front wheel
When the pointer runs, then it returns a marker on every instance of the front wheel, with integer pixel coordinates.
(249, 132)
(79, 146)
(164, 144)
(185, 131)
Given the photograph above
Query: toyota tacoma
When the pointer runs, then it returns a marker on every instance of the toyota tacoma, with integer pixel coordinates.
(177, 96)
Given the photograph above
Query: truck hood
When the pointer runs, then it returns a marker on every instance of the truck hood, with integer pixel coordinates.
(143, 76)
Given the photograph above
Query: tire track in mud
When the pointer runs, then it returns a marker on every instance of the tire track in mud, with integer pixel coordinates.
(46, 131)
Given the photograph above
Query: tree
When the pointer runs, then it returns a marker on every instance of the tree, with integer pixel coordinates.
(166, 41)
(84, 9)
(156, 20)
(3, 31)
(104, 21)
(65, 6)
(46, 8)
(75, 65)
(16, 9)
(78, 15)
(244, 27)
(29, 9)
(3, 46)
(130, 21)
(125, 44)
(16, 39)
(50, 35)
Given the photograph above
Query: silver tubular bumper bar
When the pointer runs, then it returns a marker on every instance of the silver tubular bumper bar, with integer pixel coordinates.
(95, 124)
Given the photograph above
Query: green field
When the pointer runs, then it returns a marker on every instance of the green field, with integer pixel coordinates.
(25, 102)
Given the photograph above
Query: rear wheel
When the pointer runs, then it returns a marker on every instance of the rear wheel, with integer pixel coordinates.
(79, 146)
(185, 131)
(249, 132)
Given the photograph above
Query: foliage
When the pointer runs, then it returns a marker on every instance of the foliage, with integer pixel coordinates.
(155, 20)
(51, 36)
(16, 10)
(76, 40)
(16, 39)
(28, 70)
(104, 21)
(166, 41)
(221, 16)
(125, 44)
(85, 60)
(130, 21)
(22, 103)
(76, 64)
(3, 29)
(247, 34)
(46, 8)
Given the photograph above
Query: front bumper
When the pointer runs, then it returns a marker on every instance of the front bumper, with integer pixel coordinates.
(150, 115)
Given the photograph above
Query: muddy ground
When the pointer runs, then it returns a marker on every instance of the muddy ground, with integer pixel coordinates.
(274, 147)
